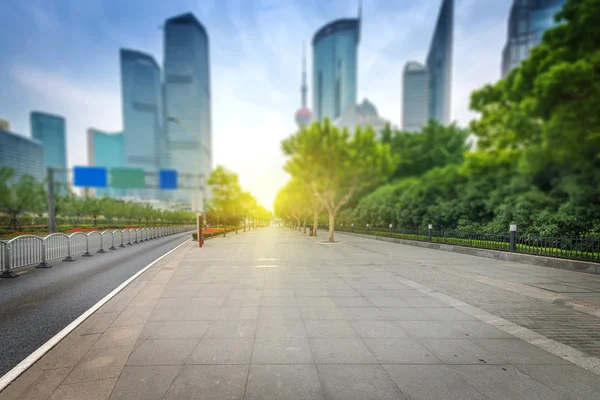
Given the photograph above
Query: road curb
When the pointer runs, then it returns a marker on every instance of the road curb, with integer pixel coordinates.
(24, 365)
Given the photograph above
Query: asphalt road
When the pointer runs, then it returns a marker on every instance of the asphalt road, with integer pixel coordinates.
(41, 302)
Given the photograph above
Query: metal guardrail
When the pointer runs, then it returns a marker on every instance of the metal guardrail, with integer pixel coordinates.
(571, 248)
(26, 250)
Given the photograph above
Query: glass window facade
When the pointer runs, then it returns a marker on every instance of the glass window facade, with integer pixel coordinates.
(23, 155)
(187, 95)
(439, 65)
(106, 150)
(335, 63)
(143, 128)
(50, 130)
(527, 22)
(415, 97)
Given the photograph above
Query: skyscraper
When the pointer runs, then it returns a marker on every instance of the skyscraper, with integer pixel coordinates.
(303, 115)
(106, 150)
(439, 64)
(187, 100)
(22, 154)
(335, 65)
(415, 96)
(51, 131)
(527, 22)
(143, 133)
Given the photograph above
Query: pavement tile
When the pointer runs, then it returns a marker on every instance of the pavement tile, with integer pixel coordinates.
(281, 292)
(163, 352)
(341, 351)
(171, 302)
(431, 382)
(354, 301)
(41, 388)
(149, 328)
(461, 351)
(387, 301)
(381, 329)
(99, 364)
(163, 314)
(231, 329)
(266, 313)
(363, 313)
(208, 301)
(209, 382)
(572, 382)
(93, 390)
(278, 302)
(315, 302)
(144, 382)
(498, 382)
(182, 330)
(330, 313)
(68, 352)
(97, 323)
(400, 351)
(274, 382)
(119, 336)
(132, 317)
(357, 382)
(237, 313)
(451, 329)
(273, 328)
(222, 351)
(329, 328)
(515, 351)
(190, 313)
(282, 351)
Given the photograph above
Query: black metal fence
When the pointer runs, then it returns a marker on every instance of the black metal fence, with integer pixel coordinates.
(585, 249)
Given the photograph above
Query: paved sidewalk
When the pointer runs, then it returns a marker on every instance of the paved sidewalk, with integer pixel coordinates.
(273, 314)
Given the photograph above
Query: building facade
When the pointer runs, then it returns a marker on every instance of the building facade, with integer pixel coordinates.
(143, 126)
(187, 96)
(4, 125)
(415, 96)
(361, 115)
(22, 154)
(439, 65)
(527, 22)
(106, 150)
(335, 67)
(50, 130)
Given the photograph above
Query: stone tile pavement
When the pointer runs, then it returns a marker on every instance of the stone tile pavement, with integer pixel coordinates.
(273, 314)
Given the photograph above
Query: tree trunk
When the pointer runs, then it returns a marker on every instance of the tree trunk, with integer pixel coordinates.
(304, 225)
(315, 222)
(331, 226)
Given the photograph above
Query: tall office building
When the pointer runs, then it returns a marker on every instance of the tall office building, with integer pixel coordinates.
(143, 128)
(51, 131)
(187, 95)
(106, 150)
(22, 154)
(335, 67)
(415, 96)
(439, 64)
(528, 21)
(361, 115)
(303, 115)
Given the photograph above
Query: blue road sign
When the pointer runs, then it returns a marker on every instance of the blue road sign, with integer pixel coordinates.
(168, 179)
(90, 177)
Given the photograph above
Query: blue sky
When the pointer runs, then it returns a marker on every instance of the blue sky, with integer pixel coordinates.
(61, 56)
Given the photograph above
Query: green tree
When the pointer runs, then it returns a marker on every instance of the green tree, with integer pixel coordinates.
(226, 193)
(24, 194)
(335, 164)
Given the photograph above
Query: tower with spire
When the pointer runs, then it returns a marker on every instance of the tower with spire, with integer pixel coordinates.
(303, 115)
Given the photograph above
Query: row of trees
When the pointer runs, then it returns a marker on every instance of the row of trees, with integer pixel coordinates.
(229, 204)
(27, 195)
(536, 161)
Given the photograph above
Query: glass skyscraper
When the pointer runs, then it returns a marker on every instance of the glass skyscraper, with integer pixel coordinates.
(106, 150)
(143, 127)
(187, 96)
(528, 21)
(439, 64)
(335, 65)
(22, 154)
(51, 131)
(415, 96)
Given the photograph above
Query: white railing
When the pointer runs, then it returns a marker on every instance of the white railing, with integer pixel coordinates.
(26, 250)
